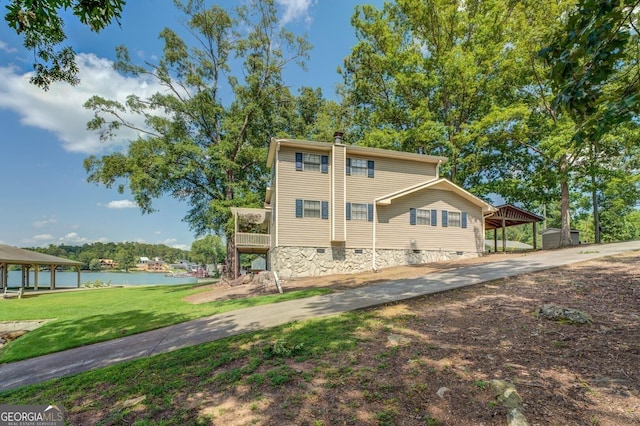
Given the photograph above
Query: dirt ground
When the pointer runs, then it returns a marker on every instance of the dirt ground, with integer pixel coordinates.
(222, 291)
(433, 361)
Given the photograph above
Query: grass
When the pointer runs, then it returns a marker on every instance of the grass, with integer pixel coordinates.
(220, 365)
(91, 316)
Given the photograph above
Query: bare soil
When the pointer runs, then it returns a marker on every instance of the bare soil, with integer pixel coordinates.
(460, 340)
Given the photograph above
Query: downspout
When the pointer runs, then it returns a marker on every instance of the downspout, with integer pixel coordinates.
(276, 184)
(373, 241)
(374, 267)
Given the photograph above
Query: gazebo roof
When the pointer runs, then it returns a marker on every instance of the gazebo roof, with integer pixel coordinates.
(512, 216)
(17, 256)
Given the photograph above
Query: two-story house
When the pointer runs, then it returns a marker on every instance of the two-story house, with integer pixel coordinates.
(336, 208)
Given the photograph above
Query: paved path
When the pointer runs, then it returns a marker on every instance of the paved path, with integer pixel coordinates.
(216, 327)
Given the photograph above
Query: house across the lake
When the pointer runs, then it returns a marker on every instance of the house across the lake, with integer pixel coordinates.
(335, 208)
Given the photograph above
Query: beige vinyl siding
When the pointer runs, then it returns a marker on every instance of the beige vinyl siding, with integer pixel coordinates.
(337, 208)
(394, 231)
(305, 185)
(359, 234)
(390, 175)
(273, 225)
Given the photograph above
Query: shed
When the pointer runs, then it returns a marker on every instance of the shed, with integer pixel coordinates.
(27, 259)
(551, 238)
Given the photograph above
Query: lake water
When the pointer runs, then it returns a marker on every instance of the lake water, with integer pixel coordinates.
(70, 279)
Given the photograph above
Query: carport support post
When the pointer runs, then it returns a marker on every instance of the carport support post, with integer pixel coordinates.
(535, 236)
(504, 235)
(52, 283)
(495, 240)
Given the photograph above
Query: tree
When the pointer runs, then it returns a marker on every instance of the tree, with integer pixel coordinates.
(208, 250)
(466, 81)
(197, 146)
(125, 258)
(39, 22)
(443, 78)
(95, 265)
(594, 70)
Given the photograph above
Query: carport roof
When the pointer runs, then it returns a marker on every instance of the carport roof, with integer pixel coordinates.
(512, 216)
(17, 256)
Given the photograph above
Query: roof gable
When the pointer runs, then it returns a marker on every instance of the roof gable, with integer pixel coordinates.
(438, 183)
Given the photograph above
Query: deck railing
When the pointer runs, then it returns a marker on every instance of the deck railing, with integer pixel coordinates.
(244, 239)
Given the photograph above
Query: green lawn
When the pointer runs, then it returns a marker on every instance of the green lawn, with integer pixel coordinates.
(90, 316)
(160, 385)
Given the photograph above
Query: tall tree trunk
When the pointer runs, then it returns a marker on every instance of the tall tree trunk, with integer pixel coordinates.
(565, 227)
(594, 192)
(232, 258)
(232, 261)
(596, 215)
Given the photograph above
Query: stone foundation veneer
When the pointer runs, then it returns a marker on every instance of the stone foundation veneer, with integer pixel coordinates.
(294, 262)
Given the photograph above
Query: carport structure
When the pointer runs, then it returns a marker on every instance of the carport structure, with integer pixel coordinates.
(510, 215)
(27, 259)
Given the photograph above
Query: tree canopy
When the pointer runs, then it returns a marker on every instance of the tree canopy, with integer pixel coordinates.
(42, 28)
(199, 144)
(487, 84)
(466, 81)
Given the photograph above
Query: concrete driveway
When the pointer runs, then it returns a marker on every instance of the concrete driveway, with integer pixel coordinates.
(246, 320)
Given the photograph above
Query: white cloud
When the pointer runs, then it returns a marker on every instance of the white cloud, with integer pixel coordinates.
(43, 237)
(121, 204)
(295, 10)
(74, 238)
(42, 223)
(60, 110)
(5, 47)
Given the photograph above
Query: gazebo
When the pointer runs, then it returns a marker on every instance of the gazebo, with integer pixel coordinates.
(27, 259)
(509, 215)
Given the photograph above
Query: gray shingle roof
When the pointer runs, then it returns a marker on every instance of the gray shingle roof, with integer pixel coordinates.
(17, 256)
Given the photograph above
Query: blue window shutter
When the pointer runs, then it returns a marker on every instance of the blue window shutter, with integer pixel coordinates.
(370, 212)
(412, 216)
(325, 210)
(463, 221)
(298, 161)
(348, 166)
(324, 164)
(298, 208)
(348, 212)
(434, 217)
(370, 168)
(445, 216)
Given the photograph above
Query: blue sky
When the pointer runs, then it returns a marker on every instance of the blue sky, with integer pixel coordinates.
(44, 194)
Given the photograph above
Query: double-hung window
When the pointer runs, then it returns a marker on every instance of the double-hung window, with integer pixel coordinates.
(454, 219)
(312, 208)
(423, 217)
(360, 167)
(312, 162)
(359, 211)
